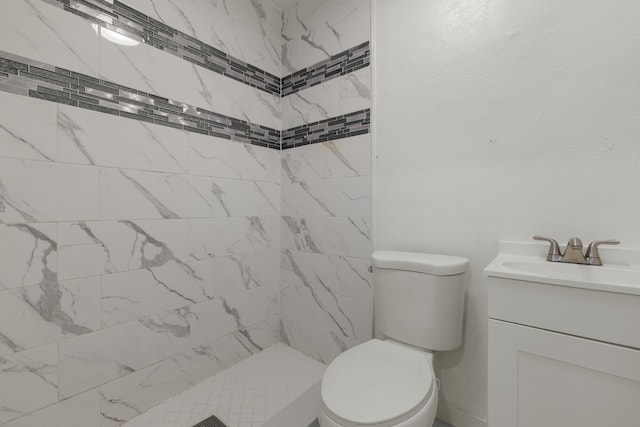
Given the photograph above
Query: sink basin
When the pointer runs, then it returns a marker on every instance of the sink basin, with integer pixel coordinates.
(532, 266)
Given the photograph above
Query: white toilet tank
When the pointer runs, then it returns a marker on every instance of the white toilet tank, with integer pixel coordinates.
(419, 298)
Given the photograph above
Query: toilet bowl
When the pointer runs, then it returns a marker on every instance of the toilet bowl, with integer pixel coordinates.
(390, 382)
(379, 384)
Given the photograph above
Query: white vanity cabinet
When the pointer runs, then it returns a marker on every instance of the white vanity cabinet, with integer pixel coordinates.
(562, 355)
(542, 378)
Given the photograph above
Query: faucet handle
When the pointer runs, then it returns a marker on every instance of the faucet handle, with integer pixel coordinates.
(592, 255)
(554, 248)
(575, 243)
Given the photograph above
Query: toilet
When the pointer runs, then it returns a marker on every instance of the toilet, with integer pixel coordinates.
(389, 380)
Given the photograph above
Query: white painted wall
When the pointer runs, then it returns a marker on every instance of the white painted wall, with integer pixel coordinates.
(499, 120)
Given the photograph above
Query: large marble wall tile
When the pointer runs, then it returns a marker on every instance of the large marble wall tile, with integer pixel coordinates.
(344, 276)
(43, 32)
(344, 316)
(28, 381)
(250, 31)
(89, 137)
(80, 411)
(311, 105)
(128, 194)
(234, 197)
(81, 301)
(237, 273)
(149, 69)
(28, 254)
(253, 47)
(207, 359)
(215, 318)
(251, 306)
(346, 236)
(211, 319)
(274, 313)
(316, 30)
(256, 337)
(33, 191)
(93, 248)
(332, 159)
(270, 13)
(37, 315)
(316, 342)
(349, 196)
(234, 235)
(265, 109)
(237, 346)
(192, 17)
(195, 365)
(227, 159)
(94, 359)
(355, 91)
(19, 138)
(241, 101)
(135, 294)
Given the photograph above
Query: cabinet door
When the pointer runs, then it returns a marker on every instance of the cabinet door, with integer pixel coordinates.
(539, 378)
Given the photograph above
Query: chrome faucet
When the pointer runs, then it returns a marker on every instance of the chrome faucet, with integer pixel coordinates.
(573, 252)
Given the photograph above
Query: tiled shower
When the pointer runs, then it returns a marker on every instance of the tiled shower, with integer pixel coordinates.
(170, 208)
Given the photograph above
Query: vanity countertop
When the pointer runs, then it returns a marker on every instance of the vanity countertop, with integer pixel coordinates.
(527, 261)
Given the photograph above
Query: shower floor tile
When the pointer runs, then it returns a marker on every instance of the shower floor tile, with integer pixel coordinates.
(245, 395)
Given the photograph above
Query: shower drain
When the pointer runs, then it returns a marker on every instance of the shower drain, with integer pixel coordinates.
(212, 421)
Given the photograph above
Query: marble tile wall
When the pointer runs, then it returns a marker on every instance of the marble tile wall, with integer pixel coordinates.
(315, 30)
(326, 293)
(244, 29)
(326, 44)
(326, 285)
(187, 31)
(135, 259)
(138, 259)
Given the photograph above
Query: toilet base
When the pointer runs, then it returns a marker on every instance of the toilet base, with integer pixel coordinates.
(423, 418)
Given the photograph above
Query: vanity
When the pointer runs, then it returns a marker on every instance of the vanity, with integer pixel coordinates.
(564, 339)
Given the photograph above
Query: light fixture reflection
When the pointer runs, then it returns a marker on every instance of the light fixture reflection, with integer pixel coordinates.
(114, 36)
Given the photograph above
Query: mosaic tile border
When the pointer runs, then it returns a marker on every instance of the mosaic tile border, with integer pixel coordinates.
(38, 80)
(119, 17)
(338, 65)
(345, 126)
(26, 77)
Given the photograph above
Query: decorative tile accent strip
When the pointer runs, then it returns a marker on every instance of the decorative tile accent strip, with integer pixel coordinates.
(338, 65)
(38, 80)
(344, 126)
(123, 19)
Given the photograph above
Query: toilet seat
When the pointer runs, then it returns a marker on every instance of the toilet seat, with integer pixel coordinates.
(378, 383)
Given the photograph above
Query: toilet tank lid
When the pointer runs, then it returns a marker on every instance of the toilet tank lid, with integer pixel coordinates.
(439, 265)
